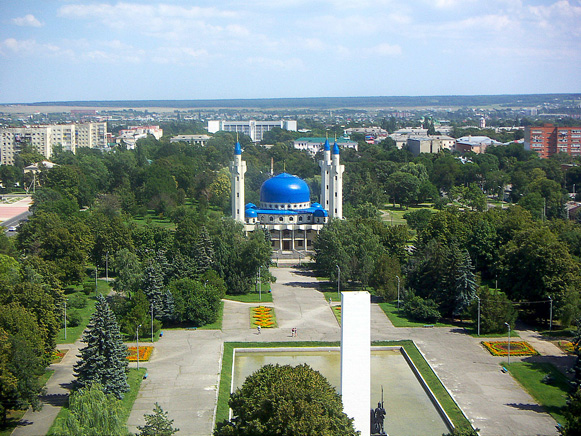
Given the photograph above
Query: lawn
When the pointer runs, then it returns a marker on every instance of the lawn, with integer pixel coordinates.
(14, 416)
(252, 297)
(553, 396)
(74, 333)
(400, 320)
(134, 378)
(447, 402)
(151, 218)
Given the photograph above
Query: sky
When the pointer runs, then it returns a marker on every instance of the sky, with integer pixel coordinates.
(60, 50)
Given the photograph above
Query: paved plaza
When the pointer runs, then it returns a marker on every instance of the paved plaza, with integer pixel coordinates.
(183, 373)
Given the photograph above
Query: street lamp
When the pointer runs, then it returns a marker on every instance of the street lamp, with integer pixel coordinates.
(397, 292)
(152, 323)
(107, 268)
(478, 314)
(65, 320)
(259, 283)
(338, 282)
(551, 314)
(508, 325)
(137, 333)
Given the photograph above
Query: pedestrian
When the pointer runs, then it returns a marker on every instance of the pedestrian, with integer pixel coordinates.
(296, 332)
(258, 328)
(292, 332)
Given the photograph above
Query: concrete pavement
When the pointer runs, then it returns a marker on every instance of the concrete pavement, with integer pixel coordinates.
(185, 366)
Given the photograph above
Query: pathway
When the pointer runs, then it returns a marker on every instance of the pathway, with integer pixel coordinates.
(183, 373)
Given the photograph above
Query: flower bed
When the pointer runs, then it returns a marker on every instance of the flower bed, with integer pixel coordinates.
(337, 313)
(263, 317)
(144, 353)
(517, 348)
(566, 346)
(57, 356)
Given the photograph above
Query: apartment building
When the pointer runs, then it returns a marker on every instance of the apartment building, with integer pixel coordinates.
(430, 144)
(549, 140)
(254, 129)
(44, 138)
(132, 134)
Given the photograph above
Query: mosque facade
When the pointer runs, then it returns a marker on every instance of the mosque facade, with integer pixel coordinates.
(285, 208)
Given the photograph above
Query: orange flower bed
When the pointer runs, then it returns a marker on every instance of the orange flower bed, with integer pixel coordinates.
(262, 316)
(144, 353)
(57, 355)
(517, 348)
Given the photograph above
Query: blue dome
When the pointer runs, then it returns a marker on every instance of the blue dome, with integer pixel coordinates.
(316, 206)
(335, 148)
(250, 213)
(237, 148)
(285, 188)
(327, 147)
(250, 206)
(320, 213)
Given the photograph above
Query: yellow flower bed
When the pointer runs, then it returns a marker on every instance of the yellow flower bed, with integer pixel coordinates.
(144, 353)
(262, 316)
(566, 346)
(517, 348)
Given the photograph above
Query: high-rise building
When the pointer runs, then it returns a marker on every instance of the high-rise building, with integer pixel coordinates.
(549, 140)
(254, 129)
(45, 138)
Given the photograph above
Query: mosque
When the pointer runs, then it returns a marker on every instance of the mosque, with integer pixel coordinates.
(285, 207)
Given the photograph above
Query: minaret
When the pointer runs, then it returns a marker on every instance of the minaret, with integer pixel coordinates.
(325, 165)
(237, 170)
(336, 185)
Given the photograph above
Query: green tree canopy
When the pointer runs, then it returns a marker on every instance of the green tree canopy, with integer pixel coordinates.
(286, 400)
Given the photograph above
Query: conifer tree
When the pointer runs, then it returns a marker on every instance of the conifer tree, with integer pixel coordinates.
(104, 359)
(465, 282)
(157, 424)
(203, 251)
(152, 286)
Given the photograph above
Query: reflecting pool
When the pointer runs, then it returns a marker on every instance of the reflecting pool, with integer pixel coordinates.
(409, 408)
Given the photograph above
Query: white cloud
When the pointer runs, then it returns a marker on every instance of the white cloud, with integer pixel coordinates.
(29, 47)
(28, 20)
(383, 50)
(277, 64)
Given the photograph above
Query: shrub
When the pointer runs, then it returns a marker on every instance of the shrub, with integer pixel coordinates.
(77, 301)
(88, 288)
(495, 310)
(423, 310)
(74, 318)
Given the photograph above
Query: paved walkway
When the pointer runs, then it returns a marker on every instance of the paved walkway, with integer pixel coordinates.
(183, 373)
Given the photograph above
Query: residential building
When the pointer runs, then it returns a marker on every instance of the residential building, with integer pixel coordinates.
(549, 140)
(430, 144)
(254, 129)
(475, 144)
(44, 138)
(191, 139)
(315, 144)
(132, 134)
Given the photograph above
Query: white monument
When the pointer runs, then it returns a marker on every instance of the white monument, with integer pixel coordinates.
(356, 358)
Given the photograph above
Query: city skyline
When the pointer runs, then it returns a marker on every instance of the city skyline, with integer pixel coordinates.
(85, 50)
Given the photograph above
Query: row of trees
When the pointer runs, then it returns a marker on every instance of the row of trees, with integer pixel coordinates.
(453, 253)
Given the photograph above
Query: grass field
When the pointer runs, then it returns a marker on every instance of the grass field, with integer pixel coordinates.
(553, 396)
(429, 376)
(134, 378)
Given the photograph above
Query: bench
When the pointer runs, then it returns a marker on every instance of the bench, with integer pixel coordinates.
(428, 325)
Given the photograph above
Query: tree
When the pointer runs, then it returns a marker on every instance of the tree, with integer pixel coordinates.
(495, 310)
(93, 413)
(195, 303)
(104, 358)
(286, 400)
(128, 268)
(465, 283)
(573, 409)
(24, 360)
(403, 188)
(157, 424)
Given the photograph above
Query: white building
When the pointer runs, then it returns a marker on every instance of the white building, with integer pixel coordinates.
(476, 144)
(191, 139)
(254, 129)
(315, 144)
(45, 138)
(285, 209)
(134, 133)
